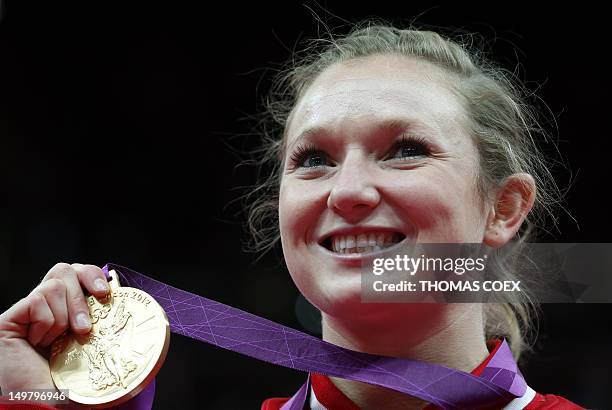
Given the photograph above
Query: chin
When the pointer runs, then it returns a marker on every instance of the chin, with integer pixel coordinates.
(344, 303)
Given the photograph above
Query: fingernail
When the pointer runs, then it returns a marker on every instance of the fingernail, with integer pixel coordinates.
(82, 320)
(100, 285)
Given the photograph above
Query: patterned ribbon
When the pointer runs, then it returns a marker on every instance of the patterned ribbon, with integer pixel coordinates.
(233, 329)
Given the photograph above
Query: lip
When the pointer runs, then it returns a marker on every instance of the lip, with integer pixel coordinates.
(356, 259)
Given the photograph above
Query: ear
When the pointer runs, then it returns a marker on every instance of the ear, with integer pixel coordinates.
(514, 200)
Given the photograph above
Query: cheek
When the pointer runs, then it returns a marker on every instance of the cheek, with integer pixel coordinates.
(299, 210)
(443, 207)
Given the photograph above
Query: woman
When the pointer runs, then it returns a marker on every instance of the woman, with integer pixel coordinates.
(388, 135)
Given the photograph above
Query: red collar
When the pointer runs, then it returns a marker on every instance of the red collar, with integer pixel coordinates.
(332, 398)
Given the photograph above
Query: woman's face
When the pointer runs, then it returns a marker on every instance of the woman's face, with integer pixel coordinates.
(377, 151)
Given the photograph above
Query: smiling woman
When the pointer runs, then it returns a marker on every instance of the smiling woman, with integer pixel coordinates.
(384, 137)
(389, 136)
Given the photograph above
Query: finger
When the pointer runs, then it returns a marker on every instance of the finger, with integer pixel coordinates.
(92, 278)
(15, 322)
(54, 291)
(57, 271)
(78, 312)
(39, 316)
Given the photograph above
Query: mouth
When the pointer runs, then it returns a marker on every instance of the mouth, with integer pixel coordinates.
(362, 243)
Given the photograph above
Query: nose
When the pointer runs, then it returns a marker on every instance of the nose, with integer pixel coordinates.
(354, 194)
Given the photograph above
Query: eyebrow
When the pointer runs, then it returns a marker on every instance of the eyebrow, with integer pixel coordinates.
(387, 126)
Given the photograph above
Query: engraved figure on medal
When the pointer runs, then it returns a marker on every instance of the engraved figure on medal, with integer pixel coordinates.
(107, 353)
(121, 354)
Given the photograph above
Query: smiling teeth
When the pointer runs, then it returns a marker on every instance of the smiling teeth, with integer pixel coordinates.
(365, 242)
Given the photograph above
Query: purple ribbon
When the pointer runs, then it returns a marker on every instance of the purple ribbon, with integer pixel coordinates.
(233, 329)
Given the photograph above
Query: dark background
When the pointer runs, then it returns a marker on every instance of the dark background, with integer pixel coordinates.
(115, 120)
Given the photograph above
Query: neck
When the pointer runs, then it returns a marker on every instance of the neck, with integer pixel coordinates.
(451, 335)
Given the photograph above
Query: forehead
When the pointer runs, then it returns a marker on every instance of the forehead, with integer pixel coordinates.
(351, 96)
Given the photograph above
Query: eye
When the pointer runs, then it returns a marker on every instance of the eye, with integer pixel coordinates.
(409, 147)
(308, 157)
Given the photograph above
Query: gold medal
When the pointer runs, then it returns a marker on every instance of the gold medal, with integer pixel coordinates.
(122, 353)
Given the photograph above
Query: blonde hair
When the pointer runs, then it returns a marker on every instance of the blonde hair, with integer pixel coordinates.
(502, 124)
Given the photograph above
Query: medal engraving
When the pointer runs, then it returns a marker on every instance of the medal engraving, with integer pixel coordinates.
(121, 354)
(109, 361)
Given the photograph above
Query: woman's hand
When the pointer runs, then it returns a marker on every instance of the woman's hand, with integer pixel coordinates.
(29, 327)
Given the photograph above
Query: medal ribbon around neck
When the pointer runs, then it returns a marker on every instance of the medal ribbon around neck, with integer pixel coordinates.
(234, 329)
